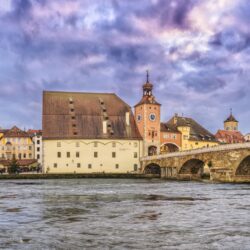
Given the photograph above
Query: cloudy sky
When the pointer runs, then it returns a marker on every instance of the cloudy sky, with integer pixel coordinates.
(197, 51)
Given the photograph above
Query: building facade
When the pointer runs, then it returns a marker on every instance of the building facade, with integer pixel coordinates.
(89, 133)
(247, 137)
(15, 143)
(191, 134)
(36, 136)
(230, 134)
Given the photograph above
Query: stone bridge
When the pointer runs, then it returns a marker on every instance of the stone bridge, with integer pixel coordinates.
(226, 163)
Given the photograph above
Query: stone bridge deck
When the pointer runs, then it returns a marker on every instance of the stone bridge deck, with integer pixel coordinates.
(229, 163)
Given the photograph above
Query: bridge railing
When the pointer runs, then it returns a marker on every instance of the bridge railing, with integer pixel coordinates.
(198, 151)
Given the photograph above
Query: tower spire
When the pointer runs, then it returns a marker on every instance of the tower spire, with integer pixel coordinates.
(147, 76)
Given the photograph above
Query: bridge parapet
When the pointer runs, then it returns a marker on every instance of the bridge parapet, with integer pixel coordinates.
(198, 151)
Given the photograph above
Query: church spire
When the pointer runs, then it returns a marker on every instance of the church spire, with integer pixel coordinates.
(147, 87)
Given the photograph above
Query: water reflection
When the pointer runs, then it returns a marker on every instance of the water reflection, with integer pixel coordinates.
(123, 214)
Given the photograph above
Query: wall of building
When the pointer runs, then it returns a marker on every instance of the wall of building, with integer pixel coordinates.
(231, 126)
(22, 148)
(149, 129)
(37, 140)
(170, 137)
(91, 156)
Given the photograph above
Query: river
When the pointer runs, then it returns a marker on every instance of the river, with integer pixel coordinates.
(123, 214)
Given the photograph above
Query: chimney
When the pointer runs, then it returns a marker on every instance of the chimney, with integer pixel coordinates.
(127, 115)
(104, 127)
(175, 118)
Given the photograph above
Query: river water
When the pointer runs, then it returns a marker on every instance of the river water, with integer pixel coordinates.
(123, 214)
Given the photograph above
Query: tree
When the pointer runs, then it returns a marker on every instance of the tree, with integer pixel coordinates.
(14, 167)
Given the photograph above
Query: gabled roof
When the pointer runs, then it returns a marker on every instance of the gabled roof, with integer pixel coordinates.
(169, 128)
(76, 115)
(197, 132)
(16, 132)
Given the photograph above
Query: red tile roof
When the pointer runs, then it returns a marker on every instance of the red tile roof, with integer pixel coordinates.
(16, 132)
(229, 136)
(68, 115)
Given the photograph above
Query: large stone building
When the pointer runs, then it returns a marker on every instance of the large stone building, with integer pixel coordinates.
(89, 132)
(230, 134)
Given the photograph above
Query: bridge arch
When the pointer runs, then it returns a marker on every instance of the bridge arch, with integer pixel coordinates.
(244, 167)
(152, 168)
(192, 167)
(169, 147)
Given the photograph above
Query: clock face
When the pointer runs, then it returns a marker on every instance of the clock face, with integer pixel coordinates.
(139, 118)
(152, 117)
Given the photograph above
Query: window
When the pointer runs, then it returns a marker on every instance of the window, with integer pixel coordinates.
(135, 155)
(30, 156)
(55, 165)
(113, 144)
(68, 154)
(38, 149)
(77, 154)
(38, 156)
(90, 166)
(135, 167)
(95, 154)
(174, 136)
(73, 117)
(72, 110)
(24, 156)
(59, 144)
(59, 154)
(113, 154)
(116, 166)
(78, 165)
(74, 125)
(30, 148)
(185, 137)
(77, 144)
(165, 136)
(75, 133)
(38, 141)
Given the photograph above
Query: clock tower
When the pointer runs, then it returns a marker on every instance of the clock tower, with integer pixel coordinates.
(147, 115)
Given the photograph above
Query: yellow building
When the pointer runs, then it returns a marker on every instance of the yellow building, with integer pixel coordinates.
(193, 135)
(89, 133)
(15, 143)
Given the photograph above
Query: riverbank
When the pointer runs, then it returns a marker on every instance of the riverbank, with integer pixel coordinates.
(76, 176)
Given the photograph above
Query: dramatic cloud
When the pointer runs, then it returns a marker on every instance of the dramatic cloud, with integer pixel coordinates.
(196, 50)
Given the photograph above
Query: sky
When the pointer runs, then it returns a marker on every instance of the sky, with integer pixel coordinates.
(197, 53)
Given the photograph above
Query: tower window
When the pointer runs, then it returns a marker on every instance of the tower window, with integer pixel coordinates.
(95, 154)
(113, 154)
(77, 154)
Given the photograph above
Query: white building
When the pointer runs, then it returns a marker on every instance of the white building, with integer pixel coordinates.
(89, 133)
(36, 136)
